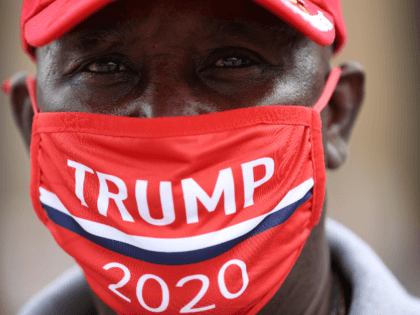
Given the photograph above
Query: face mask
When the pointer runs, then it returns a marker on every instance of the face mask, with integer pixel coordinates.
(202, 213)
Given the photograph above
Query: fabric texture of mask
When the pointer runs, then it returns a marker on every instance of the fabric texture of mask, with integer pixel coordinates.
(191, 214)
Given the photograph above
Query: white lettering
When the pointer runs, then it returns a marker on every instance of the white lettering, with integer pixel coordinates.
(166, 200)
(165, 293)
(79, 179)
(221, 279)
(248, 175)
(318, 21)
(189, 307)
(105, 195)
(192, 192)
(123, 281)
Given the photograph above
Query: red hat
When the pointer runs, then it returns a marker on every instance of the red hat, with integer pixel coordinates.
(43, 21)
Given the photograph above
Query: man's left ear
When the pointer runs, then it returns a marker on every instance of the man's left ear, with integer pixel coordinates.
(343, 108)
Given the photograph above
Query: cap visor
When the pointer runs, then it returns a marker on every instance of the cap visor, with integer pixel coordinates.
(59, 18)
(62, 15)
(309, 19)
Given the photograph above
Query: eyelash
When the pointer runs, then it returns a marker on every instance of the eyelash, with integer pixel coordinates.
(232, 62)
(229, 62)
(107, 63)
(235, 55)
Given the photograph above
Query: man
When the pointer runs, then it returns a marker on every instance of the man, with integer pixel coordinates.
(94, 181)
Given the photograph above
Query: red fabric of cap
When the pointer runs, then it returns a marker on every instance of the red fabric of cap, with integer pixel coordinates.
(320, 20)
(43, 21)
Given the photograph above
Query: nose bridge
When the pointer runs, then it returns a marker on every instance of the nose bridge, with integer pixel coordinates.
(170, 91)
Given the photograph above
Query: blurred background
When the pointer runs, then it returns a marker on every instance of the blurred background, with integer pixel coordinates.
(376, 193)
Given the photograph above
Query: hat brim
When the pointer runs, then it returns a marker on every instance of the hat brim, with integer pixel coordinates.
(61, 16)
(58, 19)
(309, 19)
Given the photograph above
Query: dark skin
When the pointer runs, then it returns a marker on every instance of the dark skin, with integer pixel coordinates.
(172, 58)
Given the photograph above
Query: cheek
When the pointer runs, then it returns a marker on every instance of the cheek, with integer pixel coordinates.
(107, 97)
(77, 95)
(251, 95)
(296, 89)
(285, 92)
(303, 83)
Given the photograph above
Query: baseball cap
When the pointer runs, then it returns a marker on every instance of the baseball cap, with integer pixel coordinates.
(43, 21)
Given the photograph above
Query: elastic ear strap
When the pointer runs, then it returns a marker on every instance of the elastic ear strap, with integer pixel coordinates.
(329, 88)
(31, 85)
(7, 87)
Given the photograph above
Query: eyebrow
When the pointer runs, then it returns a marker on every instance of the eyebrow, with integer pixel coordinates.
(110, 36)
(90, 39)
(239, 27)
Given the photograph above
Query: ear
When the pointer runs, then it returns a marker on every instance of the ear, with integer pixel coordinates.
(21, 106)
(344, 107)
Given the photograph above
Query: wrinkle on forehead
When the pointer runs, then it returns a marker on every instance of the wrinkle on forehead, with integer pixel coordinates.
(90, 39)
(248, 28)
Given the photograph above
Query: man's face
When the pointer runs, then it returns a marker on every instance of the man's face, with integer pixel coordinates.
(173, 58)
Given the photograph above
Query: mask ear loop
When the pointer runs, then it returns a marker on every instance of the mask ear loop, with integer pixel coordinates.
(31, 85)
(329, 88)
(7, 87)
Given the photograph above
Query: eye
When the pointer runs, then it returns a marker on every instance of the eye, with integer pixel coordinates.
(233, 62)
(106, 66)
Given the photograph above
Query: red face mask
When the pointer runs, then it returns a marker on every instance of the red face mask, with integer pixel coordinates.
(203, 213)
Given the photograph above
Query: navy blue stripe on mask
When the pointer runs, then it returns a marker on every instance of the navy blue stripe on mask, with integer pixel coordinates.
(174, 258)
